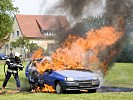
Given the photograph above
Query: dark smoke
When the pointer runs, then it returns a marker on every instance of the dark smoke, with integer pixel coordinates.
(75, 7)
(117, 12)
(77, 12)
(127, 55)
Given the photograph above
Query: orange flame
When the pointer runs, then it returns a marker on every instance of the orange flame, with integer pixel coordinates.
(47, 88)
(79, 52)
(38, 54)
(93, 52)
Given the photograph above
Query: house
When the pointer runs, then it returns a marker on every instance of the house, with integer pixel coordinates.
(39, 29)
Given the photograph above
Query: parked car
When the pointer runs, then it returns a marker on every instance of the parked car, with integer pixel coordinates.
(68, 80)
(3, 56)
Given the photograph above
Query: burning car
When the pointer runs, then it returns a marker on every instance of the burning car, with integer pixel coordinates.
(66, 80)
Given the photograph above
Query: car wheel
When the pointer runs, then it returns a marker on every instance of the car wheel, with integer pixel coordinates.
(58, 88)
(92, 90)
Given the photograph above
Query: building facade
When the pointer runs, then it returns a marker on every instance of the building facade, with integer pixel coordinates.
(39, 29)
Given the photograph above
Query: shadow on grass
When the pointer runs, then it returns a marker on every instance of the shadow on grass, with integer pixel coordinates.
(105, 89)
(114, 89)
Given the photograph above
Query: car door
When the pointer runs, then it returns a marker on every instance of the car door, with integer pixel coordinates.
(47, 78)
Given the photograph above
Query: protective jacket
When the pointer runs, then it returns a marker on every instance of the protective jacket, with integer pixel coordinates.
(13, 65)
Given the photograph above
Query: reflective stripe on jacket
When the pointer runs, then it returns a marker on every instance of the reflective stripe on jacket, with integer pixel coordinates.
(12, 71)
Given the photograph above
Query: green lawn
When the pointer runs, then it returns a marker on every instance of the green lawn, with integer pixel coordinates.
(121, 75)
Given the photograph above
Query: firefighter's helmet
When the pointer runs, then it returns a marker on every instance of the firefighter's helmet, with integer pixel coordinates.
(17, 54)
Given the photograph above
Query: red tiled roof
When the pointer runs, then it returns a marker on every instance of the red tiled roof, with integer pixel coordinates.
(30, 28)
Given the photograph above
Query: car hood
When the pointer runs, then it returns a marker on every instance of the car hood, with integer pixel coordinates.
(77, 75)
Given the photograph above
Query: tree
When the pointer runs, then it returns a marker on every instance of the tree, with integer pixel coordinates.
(126, 54)
(7, 12)
(32, 47)
(21, 43)
(24, 44)
(14, 44)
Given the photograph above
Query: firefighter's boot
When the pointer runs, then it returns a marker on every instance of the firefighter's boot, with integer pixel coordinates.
(18, 90)
(3, 89)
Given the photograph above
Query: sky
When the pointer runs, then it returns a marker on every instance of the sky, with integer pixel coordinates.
(28, 6)
(41, 7)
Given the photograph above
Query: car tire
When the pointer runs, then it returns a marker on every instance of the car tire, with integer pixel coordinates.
(92, 90)
(58, 88)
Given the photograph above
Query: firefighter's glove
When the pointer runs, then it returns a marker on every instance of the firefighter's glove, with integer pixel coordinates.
(20, 67)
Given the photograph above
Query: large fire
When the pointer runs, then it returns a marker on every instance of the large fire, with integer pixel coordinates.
(93, 52)
(37, 54)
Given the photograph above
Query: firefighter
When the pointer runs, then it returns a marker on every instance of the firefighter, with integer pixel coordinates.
(33, 80)
(34, 76)
(14, 63)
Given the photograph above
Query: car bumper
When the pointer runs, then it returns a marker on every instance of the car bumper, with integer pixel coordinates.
(81, 85)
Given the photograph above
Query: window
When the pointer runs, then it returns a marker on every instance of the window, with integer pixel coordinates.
(17, 33)
(48, 33)
(51, 34)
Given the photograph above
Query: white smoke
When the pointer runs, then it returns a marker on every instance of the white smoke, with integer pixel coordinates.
(48, 6)
(100, 76)
(94, 8)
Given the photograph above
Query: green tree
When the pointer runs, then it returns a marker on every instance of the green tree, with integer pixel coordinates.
(7, 12)
(14, 44)
(32, 47)
(24, 44)
(21, 42)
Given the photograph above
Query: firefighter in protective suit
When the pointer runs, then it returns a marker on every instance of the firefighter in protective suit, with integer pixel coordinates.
(14, 64)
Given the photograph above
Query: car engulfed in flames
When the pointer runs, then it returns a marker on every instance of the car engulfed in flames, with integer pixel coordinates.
(63, 80)
(68, 68)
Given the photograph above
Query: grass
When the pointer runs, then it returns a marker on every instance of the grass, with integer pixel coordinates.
(119, 76)
(83, 96)
(12, 84)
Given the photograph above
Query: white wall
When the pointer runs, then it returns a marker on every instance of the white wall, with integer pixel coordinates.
(42, 42)
(13, 37)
